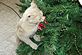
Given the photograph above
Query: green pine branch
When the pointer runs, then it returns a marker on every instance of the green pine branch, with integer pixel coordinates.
(63, 34)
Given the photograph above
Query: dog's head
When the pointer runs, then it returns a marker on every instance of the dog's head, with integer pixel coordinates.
(33, 14)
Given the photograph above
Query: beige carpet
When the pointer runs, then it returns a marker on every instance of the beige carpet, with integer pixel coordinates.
(8, 20)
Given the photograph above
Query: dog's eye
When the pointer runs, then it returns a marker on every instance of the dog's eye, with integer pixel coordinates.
(29, 16)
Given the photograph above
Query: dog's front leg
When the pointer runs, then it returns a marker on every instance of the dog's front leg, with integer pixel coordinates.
(29, 42)
(37, 37)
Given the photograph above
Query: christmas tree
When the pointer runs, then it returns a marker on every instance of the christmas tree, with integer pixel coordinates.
(63, 33)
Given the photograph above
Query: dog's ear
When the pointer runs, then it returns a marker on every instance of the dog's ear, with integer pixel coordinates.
(33, 4)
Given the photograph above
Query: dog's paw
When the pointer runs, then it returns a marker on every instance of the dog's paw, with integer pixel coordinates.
(35, 47)
(37, 38)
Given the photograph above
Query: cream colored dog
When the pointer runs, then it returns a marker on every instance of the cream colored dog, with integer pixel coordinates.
(28, 25)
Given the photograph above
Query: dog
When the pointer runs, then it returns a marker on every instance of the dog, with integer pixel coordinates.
(28, 25)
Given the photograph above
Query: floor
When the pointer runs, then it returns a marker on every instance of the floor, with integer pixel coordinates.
(8, 21)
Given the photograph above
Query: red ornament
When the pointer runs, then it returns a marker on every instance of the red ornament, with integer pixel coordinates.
(41, 26)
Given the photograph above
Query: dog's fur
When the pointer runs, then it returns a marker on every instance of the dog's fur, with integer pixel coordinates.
(28, 25)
